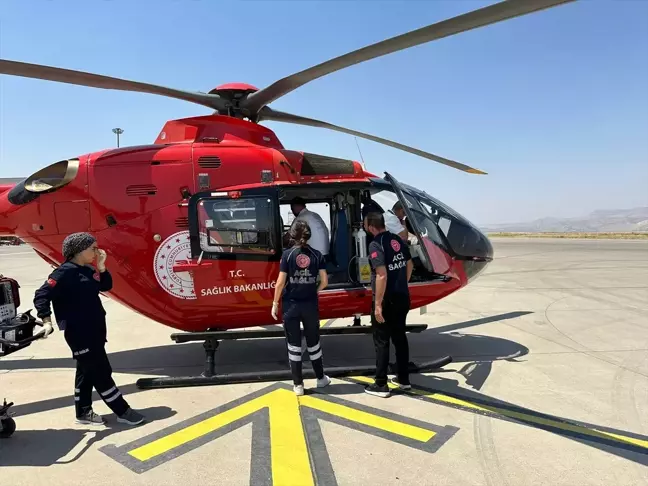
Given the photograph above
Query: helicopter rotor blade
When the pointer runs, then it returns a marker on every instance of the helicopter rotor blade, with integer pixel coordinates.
(49, 73)
(477, 18)
(273, 115)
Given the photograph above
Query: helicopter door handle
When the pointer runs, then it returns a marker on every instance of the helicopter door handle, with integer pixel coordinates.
(183, 266)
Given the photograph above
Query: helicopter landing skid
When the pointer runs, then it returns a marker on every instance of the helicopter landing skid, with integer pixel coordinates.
(211, 343)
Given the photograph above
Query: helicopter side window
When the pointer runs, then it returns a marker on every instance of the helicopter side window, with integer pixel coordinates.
(241, 225)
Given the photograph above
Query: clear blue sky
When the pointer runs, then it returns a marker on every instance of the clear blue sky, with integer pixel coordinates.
(554, 105)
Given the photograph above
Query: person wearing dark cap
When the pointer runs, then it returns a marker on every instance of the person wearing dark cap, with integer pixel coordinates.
(72, 290)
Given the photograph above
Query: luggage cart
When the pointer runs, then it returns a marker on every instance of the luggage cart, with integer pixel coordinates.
(16, 333)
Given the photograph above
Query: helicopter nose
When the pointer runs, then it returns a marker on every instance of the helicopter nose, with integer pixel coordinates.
(471, 247)
(480, 254)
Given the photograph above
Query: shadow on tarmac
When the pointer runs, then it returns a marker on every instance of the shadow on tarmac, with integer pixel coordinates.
(448, 392)
(270, 354)
(478, 352)
(267, 354)
(39, 448)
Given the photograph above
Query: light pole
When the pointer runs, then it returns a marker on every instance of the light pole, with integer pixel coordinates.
(118, 132)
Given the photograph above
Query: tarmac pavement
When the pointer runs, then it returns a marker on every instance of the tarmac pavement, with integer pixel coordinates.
(549, 385)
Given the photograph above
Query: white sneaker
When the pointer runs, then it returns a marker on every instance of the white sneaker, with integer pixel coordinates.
(299, 389)
(323, 382)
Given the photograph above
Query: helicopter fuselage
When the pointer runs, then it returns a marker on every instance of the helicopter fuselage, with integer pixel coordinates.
(193, 229)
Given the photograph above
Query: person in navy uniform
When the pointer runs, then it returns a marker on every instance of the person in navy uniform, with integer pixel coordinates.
(391, 269)
(297, 281)
(73, 290)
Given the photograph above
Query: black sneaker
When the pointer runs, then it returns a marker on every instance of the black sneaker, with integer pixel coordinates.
(90, 418)
(394, 381)
(379, 391)
(131, 417)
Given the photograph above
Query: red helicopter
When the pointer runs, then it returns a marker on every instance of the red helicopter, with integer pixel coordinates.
(192, 223)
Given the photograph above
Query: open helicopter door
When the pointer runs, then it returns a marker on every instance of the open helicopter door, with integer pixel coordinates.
(235, 249)
(430, 246)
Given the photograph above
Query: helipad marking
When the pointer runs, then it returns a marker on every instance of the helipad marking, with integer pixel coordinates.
(327, 322)
(366, 418)
(287, 443)
(521, 415)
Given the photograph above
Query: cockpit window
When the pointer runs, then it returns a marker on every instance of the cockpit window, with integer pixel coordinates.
(425, 220)
(436, 207)
(422, 215)
(463, 237)
(384, 198)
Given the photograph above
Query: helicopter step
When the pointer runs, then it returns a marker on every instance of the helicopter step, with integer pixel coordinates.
(279, 375)
(211, 343)
(185, 337)
(212, 338)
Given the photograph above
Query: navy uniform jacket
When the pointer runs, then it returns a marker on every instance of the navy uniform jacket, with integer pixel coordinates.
(302, 266)
(73, 291)
(388, 250)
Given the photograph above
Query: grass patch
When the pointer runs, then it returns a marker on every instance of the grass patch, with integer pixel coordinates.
(584, 236)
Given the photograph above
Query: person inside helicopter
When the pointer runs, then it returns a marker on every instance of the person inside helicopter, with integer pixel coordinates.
(392, 220)
(320, 238)
(398, 211)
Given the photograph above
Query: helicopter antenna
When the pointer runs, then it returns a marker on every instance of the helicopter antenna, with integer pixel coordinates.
(361, 157)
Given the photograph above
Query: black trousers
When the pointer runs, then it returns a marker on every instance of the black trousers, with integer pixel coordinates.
(394, 309)
(94, 370)
(306, 313)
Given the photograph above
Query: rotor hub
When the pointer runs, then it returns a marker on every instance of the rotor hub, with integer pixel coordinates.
(242, 87)
(244, 101)
(234, 93)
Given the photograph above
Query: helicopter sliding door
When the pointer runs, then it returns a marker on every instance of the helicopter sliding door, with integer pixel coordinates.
(431, 246)
(235, 247)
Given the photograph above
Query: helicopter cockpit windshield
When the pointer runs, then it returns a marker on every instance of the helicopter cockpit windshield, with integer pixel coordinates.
(441, 232)
(463, 237)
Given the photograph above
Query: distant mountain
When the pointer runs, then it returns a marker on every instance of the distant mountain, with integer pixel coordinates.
(607, 220)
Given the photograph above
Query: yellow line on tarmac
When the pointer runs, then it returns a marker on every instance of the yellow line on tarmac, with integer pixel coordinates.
(440, 397)
(382, 423)
(289, 454)
(176, 439)
(288, 449)
(535, 419)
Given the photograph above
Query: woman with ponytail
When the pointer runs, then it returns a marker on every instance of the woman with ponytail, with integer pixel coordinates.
(298, 282)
